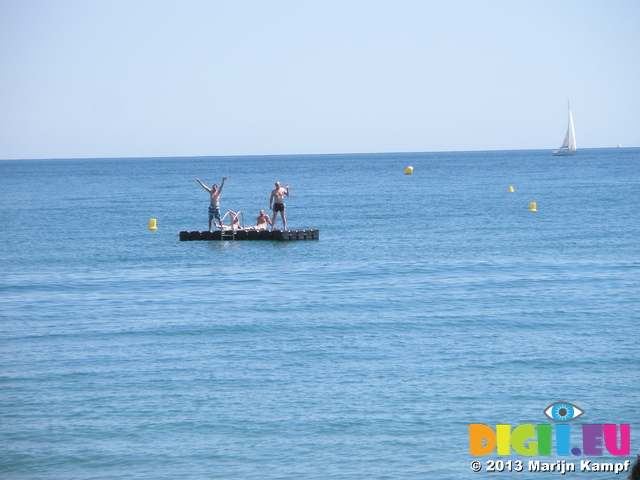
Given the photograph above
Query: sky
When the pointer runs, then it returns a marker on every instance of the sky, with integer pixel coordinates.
(139, 78)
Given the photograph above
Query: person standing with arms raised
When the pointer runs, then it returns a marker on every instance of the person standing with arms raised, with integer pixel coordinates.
(277, 200)
(214, 204)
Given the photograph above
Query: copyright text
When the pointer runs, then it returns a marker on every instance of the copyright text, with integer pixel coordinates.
(560, 466)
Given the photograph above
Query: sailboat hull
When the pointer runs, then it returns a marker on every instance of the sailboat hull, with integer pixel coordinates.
(563, 153)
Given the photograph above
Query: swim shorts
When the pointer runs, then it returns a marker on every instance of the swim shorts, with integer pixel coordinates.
(214, 212)
(278, 207)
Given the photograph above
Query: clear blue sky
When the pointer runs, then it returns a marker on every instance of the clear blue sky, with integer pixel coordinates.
(124, 78)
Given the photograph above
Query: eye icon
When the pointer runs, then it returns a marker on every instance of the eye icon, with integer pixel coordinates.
(563, 412)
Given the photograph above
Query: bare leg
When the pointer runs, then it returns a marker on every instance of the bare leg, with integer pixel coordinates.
(273, 220)
(284, 220)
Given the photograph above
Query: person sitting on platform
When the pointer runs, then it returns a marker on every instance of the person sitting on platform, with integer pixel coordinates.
(235, 222)
(262, 220)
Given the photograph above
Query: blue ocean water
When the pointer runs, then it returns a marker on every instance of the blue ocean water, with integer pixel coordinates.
(430, 302)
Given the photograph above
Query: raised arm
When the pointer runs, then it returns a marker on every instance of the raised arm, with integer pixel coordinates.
(286, 192)
(203, 185)
(222, 184)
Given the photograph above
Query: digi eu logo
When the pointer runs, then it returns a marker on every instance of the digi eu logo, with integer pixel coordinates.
(529, 439)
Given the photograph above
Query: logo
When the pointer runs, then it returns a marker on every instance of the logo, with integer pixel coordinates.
(530, 440)
(562, 412)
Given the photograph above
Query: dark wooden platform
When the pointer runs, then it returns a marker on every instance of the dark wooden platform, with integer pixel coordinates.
(279, 235)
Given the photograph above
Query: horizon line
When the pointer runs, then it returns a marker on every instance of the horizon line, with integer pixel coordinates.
(301, 154)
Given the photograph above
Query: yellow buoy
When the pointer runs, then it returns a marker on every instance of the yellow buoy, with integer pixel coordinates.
(152, 224)
(532, 207)
(408, 171)
(510, 189)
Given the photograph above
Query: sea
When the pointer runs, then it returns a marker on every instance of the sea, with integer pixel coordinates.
(431, 301)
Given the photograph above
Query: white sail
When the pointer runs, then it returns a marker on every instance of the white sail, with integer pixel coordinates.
(571, 132)
(567, 139)
(569, 146)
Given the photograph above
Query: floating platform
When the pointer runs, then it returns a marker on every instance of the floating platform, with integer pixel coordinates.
(279, 235)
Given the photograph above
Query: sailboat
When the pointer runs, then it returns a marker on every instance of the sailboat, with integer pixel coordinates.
(569, 145)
